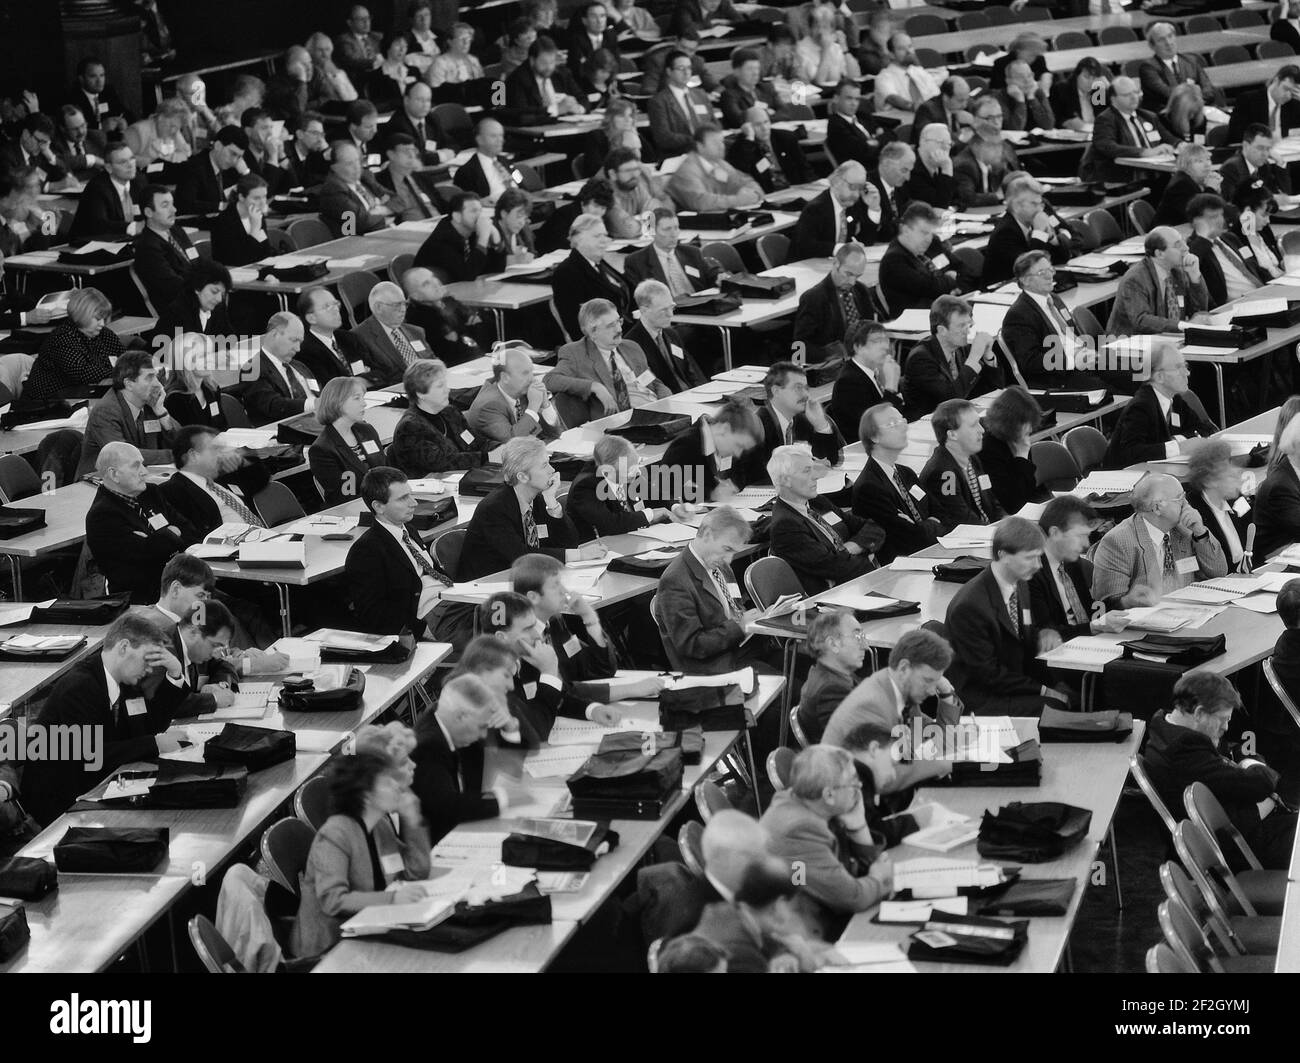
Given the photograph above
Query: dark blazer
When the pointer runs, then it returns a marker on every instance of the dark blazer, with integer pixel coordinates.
(826, 445)
(1048, 606)
(847, 142)
(1270, 716)
(110, 106)
(191, 503)
(267, 397)
(818, 562)
(1235, 172)
(128, 551)
(1008, 241)
(819, 321)
(67, 359)
(13, 307)
(183, 313)
(199, 190)
(910, 281)
(1197, 501)
(856, 391)
(324, 364)
(938, 189)
(375, 343)
(1277, 511)
(99, 211)
(690, 13)
(945, 483)
(576, 281)
(1158, 81)
(1113, 142)
(996, 664)
(677, 370)
(162, 268)
(427, 443)
(382, 584)
(412, 202)
(580, 47)
(596, 148)
(932, 112)
(890, 211)
(698, 472)
(972, 189)
(331, 461)
(305, 172)
(80, 699)
(821, 694)
(1139, 307)
(698, 634)
(814, 233)
(446, 326)
(494, 538)
(1212, 271)
(186, 409)
(1064, 99)
(669, 128)
(276, 178)
(524, 99)
(444, 251)
(644, 265)
(448, 781)
(1142, 432)
(593, 515)
(744, 154)
(339, 203)
(231, 243)
(1283, 30)
(111, 420)
(1013, 478)
(1030, 336)
(471, 177)
(927, 380)
(1172, 209)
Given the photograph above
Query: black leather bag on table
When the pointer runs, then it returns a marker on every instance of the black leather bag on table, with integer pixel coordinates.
(21, 413)
(713, 220)
(1187, 651)
(429, 514)
(175, 784)
(709, 708)
(98, 257)
(303, 271)
(253, 748)
(88, 611)
(752, 286)
(625, 785)
(1028, 897)
(394, 653)
(15, 521)
(1025, 769)
(633, 565)
(708, 305)
(26, 878)
(111, 850)
(960, 569)
(551, 854)
(690, 741)
(651, 427)
(975, 939)
(1061, 725)
(480, 482)
(469, 926)
(1235, 337)
(61, 653)
(1032, 832)
(296, 697)
(302, 429)
(14, 931)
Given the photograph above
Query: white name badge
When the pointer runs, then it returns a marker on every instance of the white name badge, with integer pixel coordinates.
(1246, 252)
(372, 160)
(724, 464)
(1241, 507)
(639, 506)
(832, 519)
(102, 108)
(676, 351)
(417, 345)
(357, 367)
(543, 532)
(646, 379)
(369, 446)
(191, 253)
(985, 483)
(1175, 419)
(701, 108)
(1186, 565)
(1026, 618)
(214, 408)
(917, 492)
(530, 691)
(136, 707)
(392, 863)
(691, 271)
(154, 167)
(135, 211)
(572, 646)
(734, 590)
(762, 166)
(152, 426)
(939, 261)
(429, 145)
(467, 436)
(157, 522)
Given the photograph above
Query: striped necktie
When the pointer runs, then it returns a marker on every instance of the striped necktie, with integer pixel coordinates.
(1013, 608)
(1075, 612)
(404, 347)
(912, 511)
(620, 385)
(972, 480)
(1170, 565)
(235, 504)
(530, 529)
(422, 559)
(825, 528)
(733, 607)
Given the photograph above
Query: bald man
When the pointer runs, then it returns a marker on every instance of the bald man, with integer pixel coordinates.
(772, 157)
(833, 217)
(1124, 131)
(445, 321)
(1161, 291)
(513, 403)
(1158, 421)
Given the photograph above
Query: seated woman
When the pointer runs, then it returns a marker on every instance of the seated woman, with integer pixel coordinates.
(1184, 114)
(239, 232)
(1071, 98)
(192, 395)
(617, 130)
(1256, 207)
(703, 462)
(348, 448)
(455, 66)
(357, 853)
(201, 306)
(511, 225)
(387, 82)
(432, 436)
(834, 641)
(1214, 491)
(598, 79)
(1012, 418)
(76, 353)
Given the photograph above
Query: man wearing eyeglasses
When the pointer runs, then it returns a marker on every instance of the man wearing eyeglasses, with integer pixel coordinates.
(1255, 163)
(1039, 333)
(834, 217)
(1026, 226)
(34, 148)
(1124, 131)
(677, 110)
(832, 308)
(388, 344)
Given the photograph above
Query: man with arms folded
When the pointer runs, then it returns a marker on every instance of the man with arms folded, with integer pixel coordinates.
(1158, 421)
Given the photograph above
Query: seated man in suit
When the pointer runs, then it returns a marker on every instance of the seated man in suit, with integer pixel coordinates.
(352, 202)
(132, 411)
(407, 199)
(387, 343)
(602, 373)
(833, 217)
(1166, 70)
(1255, 163)
(541, 90)
(949, 109)
(918, 267)
(869, 376)
(608, 497)
(637, 191)
(304, 155)
(744, 89)
(824, 545)
(980, 167)
(1229, 274)
(1192, 176)
(586, 275)
(1038, 331)
(1162, 548)
(705, 181)
(772, 157)
(109, 206)
(1275, 106)
(932, 179)
(205, 179)
(102, 691)
(1162, 290)
(791, 415)
(1024, 101)
(513, 403)
(849, 137)
(886, 192)
(677, 110)
(462, 246)
(522, 516)
(328, 349)
(704, 463)
(393, 581)
(590, 32)
(950, 364)
(1186, 745)
(274, 388)
(449, 758)
(1124, 131)
(954, 475)
(991, 627)
(163, 251)
(698, 607)
(833, 307)
(1158, 421)
(199, 639)
(194, 491)
(131, 531)
(485, 173)
(1026, 226)
(682, 267)
(663, 345)
(834, 641)
(655, 63)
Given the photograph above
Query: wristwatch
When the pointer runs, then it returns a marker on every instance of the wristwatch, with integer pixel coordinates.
(1202, 537)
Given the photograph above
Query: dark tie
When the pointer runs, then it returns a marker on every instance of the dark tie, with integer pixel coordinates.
(295, 388)
(1171, 301)
(338, 354)
(778, 175)
(1171, 566)
(972, 480)
(139, 425)
(1013, 608)
(1139, 134)
(670, 371)
(422, 559)
(1074, 610)
(530, 529)
(912, 511)
(620, 385)
(176, 246)
(119, 711)
(733, 607)
(192, 675)
(404, 347)
(825, 528)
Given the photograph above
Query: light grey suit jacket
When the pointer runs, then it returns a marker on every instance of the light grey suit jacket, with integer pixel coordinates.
(492, 416)
(1127, 557)
(1138, 307)
(693, 189)
(580, 365)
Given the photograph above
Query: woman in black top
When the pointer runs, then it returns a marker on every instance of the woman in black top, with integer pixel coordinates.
(76, 353)
(348, 448)
(1008, 424)
(432, 436)
(1073, 101)
(239, 232)
(192, 396)
(201, 305)
(387, 82)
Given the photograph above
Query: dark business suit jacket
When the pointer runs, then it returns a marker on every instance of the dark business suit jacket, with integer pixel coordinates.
(524, 104)
(927, 380)
(1277, 511)
(819, 321)
(80, 699)
(1030, 336)
(909, 281)
(427, 443)
(890, 211)
(1212, 271)
(1048, 606)
(471, 177)
(1158, 81)
(846, 141)
(814, 233)
(111, 420)
(1008, 242)
(183, 313)
(1113, 142)
(670, 129)
(191, 503)
(644, 265)
(932, 112)
(382, 584)
(161, 266)
(818, 562)
(744, 154)
(331, 461)
(1139, 307)
(945, 483)
(99, 211)
(855, 391)
(826, 445)
(198, 188)
(698, 634)
(697, 472)
(375, 344)
(324, 364)
(1235, 173)
(448, 781)
(576, 281)
(267, 397)
(129, 553)
(594, 511)
(1142, 432)
(108, 100)
(231, 243)
(338, 203)
(973, 190)
(305, 172)
(996, 664)
(444, 251)
(494, 539)
(938, 188)
(1014, 482)
(1173, 204)
(1241, 525)
(675, 373)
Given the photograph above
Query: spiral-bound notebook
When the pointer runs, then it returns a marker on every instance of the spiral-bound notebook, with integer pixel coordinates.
(1086, 653)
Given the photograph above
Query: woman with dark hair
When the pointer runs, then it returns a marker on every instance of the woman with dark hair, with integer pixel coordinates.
(513, 208)
(76, 353)
(201, 306)
(1214, 491)
(598, 78)
(1078, 99)
(1011, 419)
(432, 436)
(357, 853)
(617, 130)
(387, 83)
(1253, 223)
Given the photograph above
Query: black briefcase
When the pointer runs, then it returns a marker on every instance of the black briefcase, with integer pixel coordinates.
(752, 286)
(709, 708)
(480, 482)
(626, 785)
(89, 611)
(651, 427)
(551, 854)
(14, 931)
(1032, 832)
(302, 429)
(690, 741)
(16, 521)
(26, 878)
(111, 850)
(253, 748)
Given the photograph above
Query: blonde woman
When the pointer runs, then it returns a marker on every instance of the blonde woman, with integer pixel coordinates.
(1184, 114)
(348, 448)
(455, 65)
(617, 130)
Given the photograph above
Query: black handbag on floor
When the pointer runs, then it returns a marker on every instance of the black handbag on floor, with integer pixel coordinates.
(253, 748)
(111, 850)
(26, 878)
(1032, 831)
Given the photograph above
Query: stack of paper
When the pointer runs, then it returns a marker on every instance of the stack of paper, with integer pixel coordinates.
(428, 486)
(41, 644)
(744, 678)
(381, 918)
(743, 374)
(1166, 618)
(968, 536)
(1086, 653)
(1108, 482)
(849, 598)
(1218, 591)
(869, 957)
(913, 320)
(351, 640)
(464, 846)
(667, 533)
(942, 829)
(555, 763)
(324, 524)
(934, 876)
(920, 911)
(250, 438)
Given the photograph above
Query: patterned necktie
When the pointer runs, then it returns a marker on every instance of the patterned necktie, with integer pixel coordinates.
(404, 347)
(972, 480)
(338, 354)
(1171, 566)
(1139, 135)
(1171, 301)
(779, 180)
(235, 504)
(422, 559)
(530, 529)
(912, 511)
(1074, 610)
(620, 385)
(850, 307)
(788, 436)
(842, 233)
(1236, 260)
(826, 529)
(128, 211)
(733, 607)
(1013, 608)
(521, 407)
(678, 283)
(139, 426)
(1058, 319)
(176, 246)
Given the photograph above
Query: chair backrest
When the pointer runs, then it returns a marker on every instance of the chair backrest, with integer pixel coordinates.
(1201, 857)
(1186, 938)
(233, 411)
(1086, 322)
(971, 258)
(398, 266)
(977, 82)
(1104, 226)
(999, 16)
(1054, 466)
(452, 126)
(920, 25)
(1161, 959)
(726, 256)
(1138, 769)
(280, 241)
(773, 250)
(690, 840)
(213, 950)
(1142, 215)
(878, 293)
(1132, 68)
(354, 287)
(1178, 886)
(928, 58)
(447, 548)
(285, 846)
(1241, 19)
(308, 232)
(17, 478)
(710, 798)
(770, 577)
(1204, 809)
(779, 762)
(555, 313)
(1202, 24)
(796, 728)
(1290, 242)
(974, 51)
(150, 309)
(973, 20)
(1229, 53)
(1031, 14)
(1270, 673)
(276, 504)
(1071, 39)
(1116, 35)
(1267, 50)
(311, 803)
(1216, 136)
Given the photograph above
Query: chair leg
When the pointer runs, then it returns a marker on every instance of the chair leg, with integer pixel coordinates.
(1114, 859)
(753, 773)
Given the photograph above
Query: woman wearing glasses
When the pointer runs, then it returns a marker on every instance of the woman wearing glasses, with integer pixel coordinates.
(348, 448)
(1253, 224)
